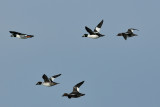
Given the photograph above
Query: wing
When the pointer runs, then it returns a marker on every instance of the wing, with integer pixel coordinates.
(89, 30)
(129, 31)
(53, 77)
(124, 36)
(13, 32)
(98, 27)
(45, 78)
(76, 87)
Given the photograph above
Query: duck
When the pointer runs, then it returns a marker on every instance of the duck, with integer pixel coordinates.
(129, 33)
(75, 93)
(20, 35)
(48, 81)
(94, 34)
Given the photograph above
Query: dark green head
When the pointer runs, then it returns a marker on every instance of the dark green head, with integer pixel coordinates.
(85, 35)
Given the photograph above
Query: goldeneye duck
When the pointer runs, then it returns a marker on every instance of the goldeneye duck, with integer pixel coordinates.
(129, 33)
(48, 81)
(94, 34)
(75, 93)
(20, 35)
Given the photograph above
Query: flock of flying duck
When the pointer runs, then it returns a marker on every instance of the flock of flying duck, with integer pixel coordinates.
(92, 34)
(50, 82)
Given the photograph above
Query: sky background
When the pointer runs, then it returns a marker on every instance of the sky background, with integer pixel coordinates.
(117, 72)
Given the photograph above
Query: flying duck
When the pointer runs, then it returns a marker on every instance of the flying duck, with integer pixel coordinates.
(75, 93)
(94, 34)
(129, 33)
(20, 35)
(48, 81)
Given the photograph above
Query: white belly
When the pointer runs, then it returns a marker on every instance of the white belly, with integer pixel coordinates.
(21, 36)
(18, 36)
(47, 84)
(93, 36)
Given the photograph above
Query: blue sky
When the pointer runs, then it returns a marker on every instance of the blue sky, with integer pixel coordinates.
(117, 73)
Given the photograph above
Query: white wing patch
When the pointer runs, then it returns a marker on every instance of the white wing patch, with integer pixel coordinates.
(52, 78)
(77, 89)
(98, 29)
(132, 30)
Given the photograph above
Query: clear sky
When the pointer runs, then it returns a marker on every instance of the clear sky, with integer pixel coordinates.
(117, 72)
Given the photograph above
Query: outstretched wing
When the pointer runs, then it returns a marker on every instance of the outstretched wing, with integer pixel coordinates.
(89, 30)
(45, 78)
(130, 31)
(98, 27)
(13, 32)
(124, 36)
(76, 87)
(53, 77)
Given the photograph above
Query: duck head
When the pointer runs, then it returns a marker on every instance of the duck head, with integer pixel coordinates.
(119, 34)
(65, 94)
(39, 83)
(85, 35)
(13, 35)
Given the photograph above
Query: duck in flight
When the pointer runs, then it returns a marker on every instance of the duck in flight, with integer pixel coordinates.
(20, 35)
(75, 93)
(94, 34)
(48, 81)
(129, 33)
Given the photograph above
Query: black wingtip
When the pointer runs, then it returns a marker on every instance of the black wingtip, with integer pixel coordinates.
(55, 76)
(44, 75)
(86, 27)
(59, 74)
(11, 31)
(82, 82)
(125, 37)
(100, 24)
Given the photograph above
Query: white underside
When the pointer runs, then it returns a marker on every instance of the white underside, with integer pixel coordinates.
(93, 36)
(21, 36)
(46, 84)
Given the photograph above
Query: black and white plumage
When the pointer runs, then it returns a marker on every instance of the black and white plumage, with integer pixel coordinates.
(127, 34)
(75, 93)
(94, 34)
(20, 35)
(48, 81)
